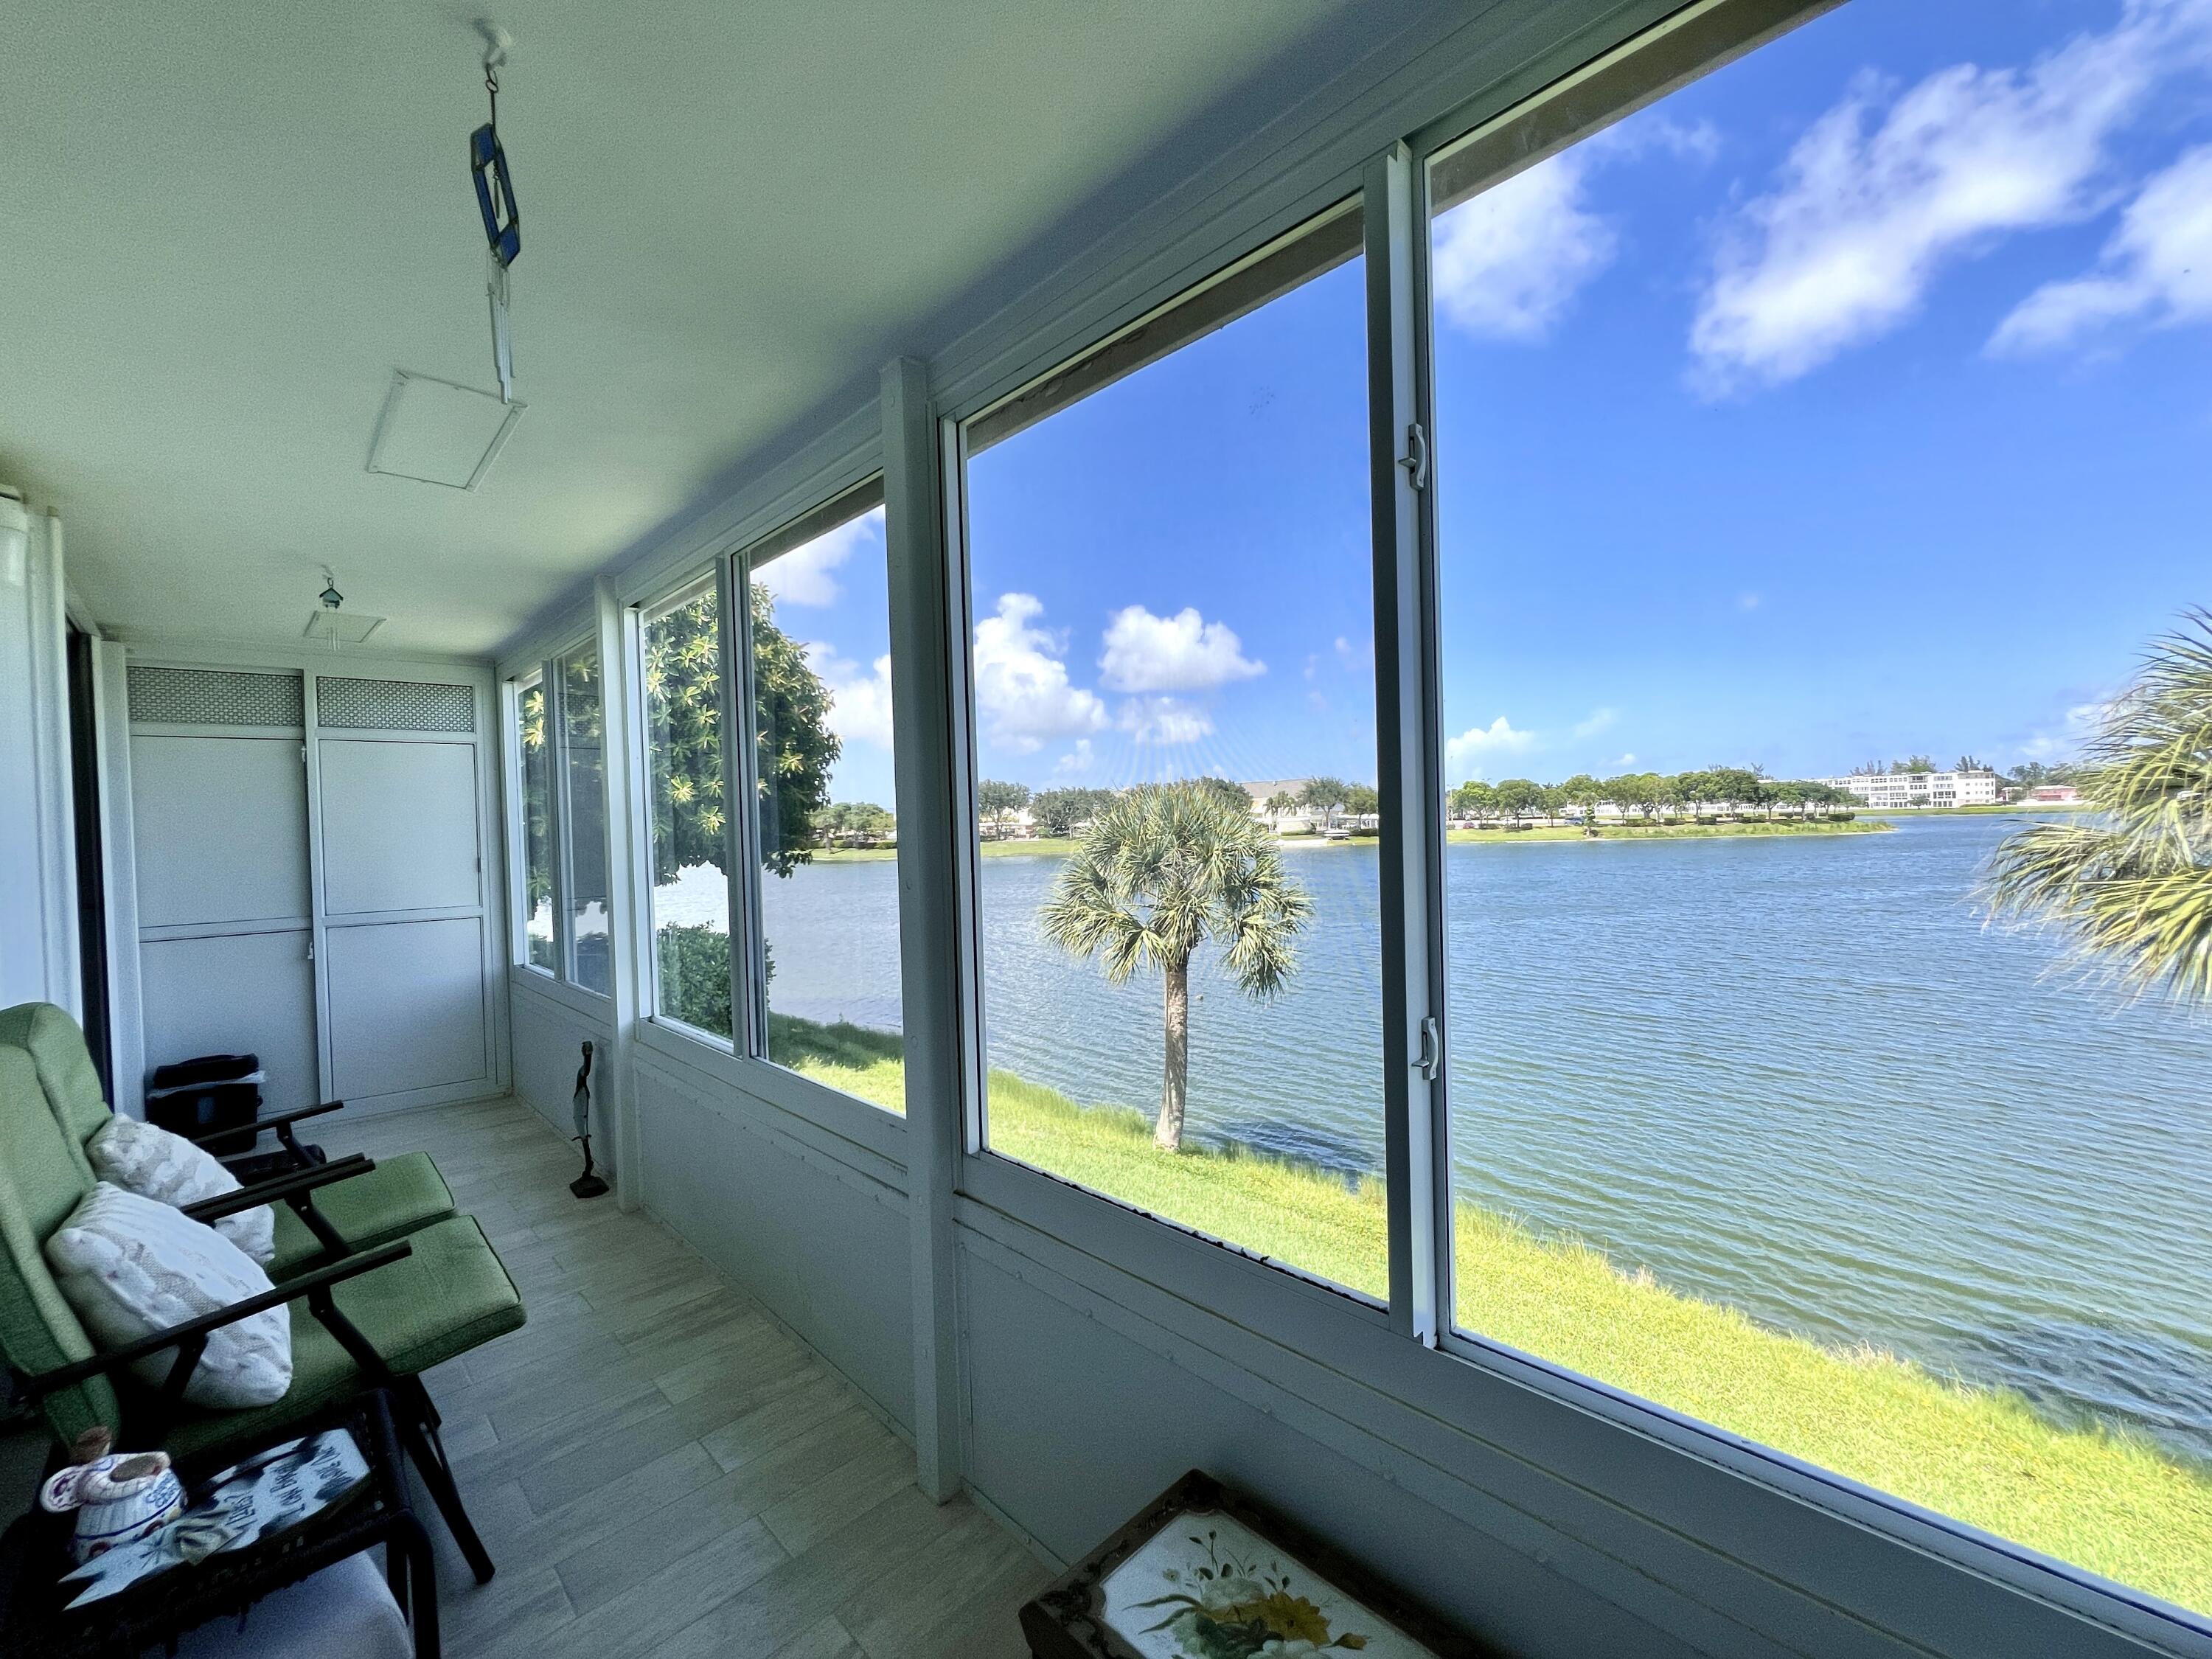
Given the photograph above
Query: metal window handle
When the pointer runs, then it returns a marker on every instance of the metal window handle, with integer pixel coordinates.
(1432, 1049)
(1415, 460)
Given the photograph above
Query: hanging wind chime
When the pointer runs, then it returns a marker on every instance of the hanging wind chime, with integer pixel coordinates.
(502, 219)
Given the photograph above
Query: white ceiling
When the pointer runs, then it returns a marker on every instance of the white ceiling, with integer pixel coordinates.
(222, 226)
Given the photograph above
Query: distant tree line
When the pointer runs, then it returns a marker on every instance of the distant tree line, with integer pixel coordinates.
(1649, 795)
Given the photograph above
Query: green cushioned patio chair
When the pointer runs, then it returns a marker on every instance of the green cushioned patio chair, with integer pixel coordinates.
(376, 1205)
(376, 1318)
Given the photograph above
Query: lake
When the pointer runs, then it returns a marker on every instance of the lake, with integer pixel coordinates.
(1795, 1074)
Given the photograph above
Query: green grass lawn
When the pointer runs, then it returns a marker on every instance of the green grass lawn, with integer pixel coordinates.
(2104, 1500)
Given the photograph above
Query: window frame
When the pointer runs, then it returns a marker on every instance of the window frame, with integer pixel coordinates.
(854, 500)
(555, 671)
(1481, 1386)
(512, 692)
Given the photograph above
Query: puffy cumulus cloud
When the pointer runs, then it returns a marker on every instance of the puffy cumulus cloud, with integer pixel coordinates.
(1506, 263)
(1181, 652)
(859, 696)
(1468, 755)
(807, 574)
(1022, 686)
(2080, 723)
(1883, 192)
(2157, 266)
(1077, 761)
(1163, 720)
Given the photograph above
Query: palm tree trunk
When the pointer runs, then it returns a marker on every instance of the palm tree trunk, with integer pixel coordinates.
(1175, 1067)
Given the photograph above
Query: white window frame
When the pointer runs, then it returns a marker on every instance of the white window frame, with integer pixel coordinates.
(513, 689)
(1729, 1493)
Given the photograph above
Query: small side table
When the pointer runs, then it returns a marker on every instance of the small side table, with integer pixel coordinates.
(37, 1622)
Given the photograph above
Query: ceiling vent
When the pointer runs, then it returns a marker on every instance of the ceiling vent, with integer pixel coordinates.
(436, 432)
(341, 627)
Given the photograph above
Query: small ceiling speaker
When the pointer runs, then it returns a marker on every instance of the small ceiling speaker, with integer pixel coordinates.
(436, 432)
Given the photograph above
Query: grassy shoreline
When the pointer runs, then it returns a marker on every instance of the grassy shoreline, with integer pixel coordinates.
(1043, 846)
(2106, 1500)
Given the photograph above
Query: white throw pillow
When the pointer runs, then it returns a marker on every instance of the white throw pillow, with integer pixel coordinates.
(133, 1266)
(152, 1162)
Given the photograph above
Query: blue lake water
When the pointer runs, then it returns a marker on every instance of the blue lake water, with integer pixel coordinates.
(1795, 1074)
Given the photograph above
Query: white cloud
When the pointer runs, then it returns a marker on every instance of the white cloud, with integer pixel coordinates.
(2157, 266)
(1181, 652)
(1874, 201)
(2080, 723)
(808, 574)
(1163, 720)
(1599, 720)
(859, 698)
(1507, 263)
(1021, 683)
(1077, 761)
(1478, 746)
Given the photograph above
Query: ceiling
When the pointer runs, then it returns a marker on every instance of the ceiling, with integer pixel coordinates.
(223, 226)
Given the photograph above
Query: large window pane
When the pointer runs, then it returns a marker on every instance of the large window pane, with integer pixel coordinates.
(537, 825)
(583, 731)
(1175, 728)
(1818, 451)
(827, 831)
(689, 857)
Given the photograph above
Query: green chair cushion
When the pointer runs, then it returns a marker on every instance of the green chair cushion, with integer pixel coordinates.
(39, 1185)
(399, 1195)
(452, 1295)
(57, 1047)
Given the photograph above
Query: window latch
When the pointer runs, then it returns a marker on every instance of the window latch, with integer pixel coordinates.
(1432, 1049)
(1415, 460)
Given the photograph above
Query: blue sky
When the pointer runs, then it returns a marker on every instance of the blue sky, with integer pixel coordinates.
(1854, 401)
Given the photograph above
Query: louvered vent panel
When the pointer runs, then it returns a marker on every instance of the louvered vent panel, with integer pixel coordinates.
(393, 706)
(213, 696)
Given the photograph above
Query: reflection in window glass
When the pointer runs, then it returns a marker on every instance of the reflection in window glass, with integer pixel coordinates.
(1175, 724)
(684, 765)
(537, 826)
(1801, 513)
(828, 835)
(583, 731)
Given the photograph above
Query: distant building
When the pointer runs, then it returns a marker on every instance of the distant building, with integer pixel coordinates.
(1267, 788)
(1908, 789)
(2053, 794)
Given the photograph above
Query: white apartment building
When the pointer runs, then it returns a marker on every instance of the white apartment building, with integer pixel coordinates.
(1903, 789)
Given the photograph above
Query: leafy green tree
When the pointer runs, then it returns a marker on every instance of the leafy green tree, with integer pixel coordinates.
(1057, 811)
(1361, 801)
(1969, 763)
(1164, 869)
(863, 821)
(1583, 792)
(1915, 763)
(683, 713)
(794, 748)
(1474, 800)
(1519, 797)
(1281, 805)
(1323, 798)
(1000, 802)
(2132, 887)
(1231, 793)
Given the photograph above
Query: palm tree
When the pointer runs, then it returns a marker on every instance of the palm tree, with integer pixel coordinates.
(1161, 870)
(2134, 887)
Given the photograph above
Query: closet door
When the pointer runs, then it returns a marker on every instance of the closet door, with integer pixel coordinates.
(218, 799)
(406, 933)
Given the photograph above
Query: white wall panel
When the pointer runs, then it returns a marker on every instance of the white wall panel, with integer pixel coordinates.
(399, 825)
(407, 1006)
(824, 1247)
(548, 1037)
(266, 1007)
(221, 826)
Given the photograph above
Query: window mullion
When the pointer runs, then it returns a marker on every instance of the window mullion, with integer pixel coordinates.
(1409, 777)
(556, 815)
(741, 828)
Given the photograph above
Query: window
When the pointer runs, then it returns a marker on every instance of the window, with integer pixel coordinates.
(1751, 1115)
(825, 830)
(690, 856)
(583, 744)
(536, 824)
(1174, 686)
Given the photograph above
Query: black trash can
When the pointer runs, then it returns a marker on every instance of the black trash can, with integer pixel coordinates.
(215, 1092)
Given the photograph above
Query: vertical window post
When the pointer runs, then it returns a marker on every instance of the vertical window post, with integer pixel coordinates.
(1409, 776)
(737, 801)
(927, 742)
